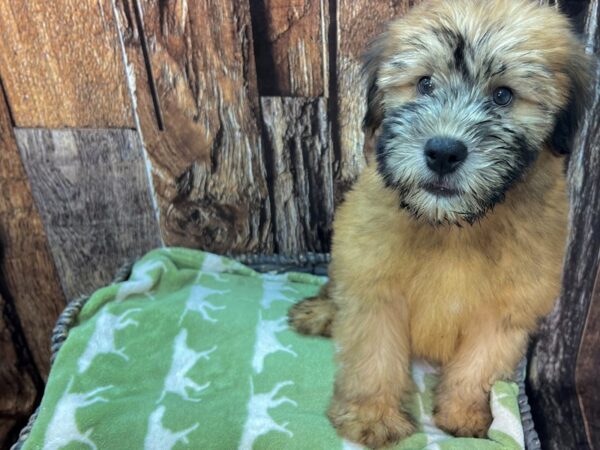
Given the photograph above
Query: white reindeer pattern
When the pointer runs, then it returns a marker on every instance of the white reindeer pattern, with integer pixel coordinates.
(267, 343)
(184, 358)
(102, 340)
(161, 438)
(259, 421)
(140, 280)
(274, 290)
(197, 302)
(63, 428)
(212, 265)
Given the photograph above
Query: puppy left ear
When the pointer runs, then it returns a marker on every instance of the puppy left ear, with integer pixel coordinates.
(371, 62)
(569, 117)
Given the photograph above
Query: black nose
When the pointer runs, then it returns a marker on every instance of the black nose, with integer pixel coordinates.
(444, 155)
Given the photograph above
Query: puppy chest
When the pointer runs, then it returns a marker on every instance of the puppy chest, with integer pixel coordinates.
(436, 329)
(443, 303)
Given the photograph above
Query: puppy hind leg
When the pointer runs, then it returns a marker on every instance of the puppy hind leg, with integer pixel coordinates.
(313, 316)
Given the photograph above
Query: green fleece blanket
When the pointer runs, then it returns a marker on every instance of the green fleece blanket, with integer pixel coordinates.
(193, 352)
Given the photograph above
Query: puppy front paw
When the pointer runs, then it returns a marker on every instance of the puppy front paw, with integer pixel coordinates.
(463, 418)
(373, 424)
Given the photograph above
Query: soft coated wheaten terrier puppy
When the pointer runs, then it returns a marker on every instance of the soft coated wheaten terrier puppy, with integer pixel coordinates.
(450, 245)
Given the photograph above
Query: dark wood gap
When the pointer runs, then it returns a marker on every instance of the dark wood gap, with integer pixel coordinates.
(332, 99)
(4, 98)
(263, 52)
(269, 170)
(25, 360)
(137, 12)
(576, 10)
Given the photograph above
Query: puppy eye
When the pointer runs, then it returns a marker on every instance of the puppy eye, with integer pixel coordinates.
(425, 86)
(502, 96)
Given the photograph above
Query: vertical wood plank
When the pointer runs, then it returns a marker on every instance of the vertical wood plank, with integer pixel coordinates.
(26, 265)
(358, 21)
(290, 39)
(207, 162)
(586, 375)
(61, 66)
(556, 394)
(20, 383)
(92, 190)
(297, 136)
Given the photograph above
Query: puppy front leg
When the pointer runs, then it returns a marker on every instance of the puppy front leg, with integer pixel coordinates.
(374, 372)
(489, 352)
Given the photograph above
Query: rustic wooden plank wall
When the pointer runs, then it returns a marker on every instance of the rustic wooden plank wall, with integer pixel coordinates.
(300, 168)
(27, 268)
(92, 190)
(290, 44)
(28, 304)
(225, 125)
(586, 372)
(61, 64)
(18, 378)
(564, 363)
(208, 163)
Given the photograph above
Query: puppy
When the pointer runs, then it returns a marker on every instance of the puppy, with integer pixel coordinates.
(450, 246)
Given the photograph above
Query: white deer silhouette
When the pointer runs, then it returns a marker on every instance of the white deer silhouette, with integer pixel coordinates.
(347, 445)
(161, 438)
(259, 422)
(102, 340)
(274, 290)
(212, 265)
(184, 358)
(63, 428)
(266, 341)
(196, 302)
(141, 280)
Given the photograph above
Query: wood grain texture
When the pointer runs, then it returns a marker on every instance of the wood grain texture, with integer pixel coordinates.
(357, 22)
(26, 265)
(61, 66)
(290, 38)
(208, 163)
(92, 190)
(586, 375)
(17, 392)
(20, 384)
(556, 392)
(300, 172)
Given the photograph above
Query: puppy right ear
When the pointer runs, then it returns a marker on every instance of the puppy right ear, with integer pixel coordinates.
(579, 71)
(371, 62)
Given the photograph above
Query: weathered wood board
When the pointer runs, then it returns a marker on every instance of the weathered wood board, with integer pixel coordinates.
(92, 190)
(586, 374)
(61, 65)
(290, 43)
(299, 147)
(562, 391)
(19, 380)
(208, 163)
(26, 264)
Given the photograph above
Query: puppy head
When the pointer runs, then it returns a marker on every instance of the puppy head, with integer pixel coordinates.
(467, 93)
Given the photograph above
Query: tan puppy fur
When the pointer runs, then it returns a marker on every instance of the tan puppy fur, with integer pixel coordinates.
(459, 278)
